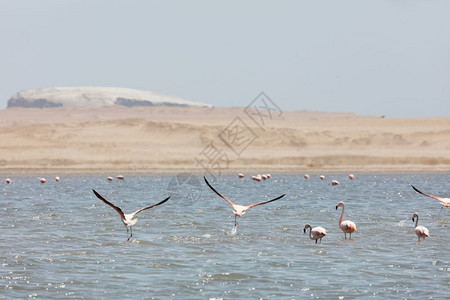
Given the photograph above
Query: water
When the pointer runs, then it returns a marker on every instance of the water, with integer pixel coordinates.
(59, 241)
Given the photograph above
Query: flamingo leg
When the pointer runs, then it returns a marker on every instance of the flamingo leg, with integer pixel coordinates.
(345, 235)
(316, 241)
(350, 236)
(131, 233)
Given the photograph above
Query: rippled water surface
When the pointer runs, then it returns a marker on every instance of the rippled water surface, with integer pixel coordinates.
(59, 241)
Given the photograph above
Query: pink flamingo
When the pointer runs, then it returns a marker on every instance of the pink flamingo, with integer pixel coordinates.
(8, 181)
(240, 175)
(444, 201)
(346, 226)
(335, 182)
(127, 219)
(421, 231)
(316, 233)
(239, 210)
(57, 178)
(120, 177)
(43, 180)
(322, 177)
(306, 176)
(351, 176)
(109, 178)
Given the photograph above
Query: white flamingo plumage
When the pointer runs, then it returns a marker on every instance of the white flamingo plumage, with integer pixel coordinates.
(346, 226)
(316, 233)
(421, 231)
(127, 219)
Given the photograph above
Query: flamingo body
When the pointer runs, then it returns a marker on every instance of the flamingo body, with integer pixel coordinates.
(239, 210)
(346, 226)
(421, 231)
(316, 233)
(127, 219)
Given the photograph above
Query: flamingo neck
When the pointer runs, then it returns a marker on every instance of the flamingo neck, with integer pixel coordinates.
(310, 233)
(417, 220)
(342, 216)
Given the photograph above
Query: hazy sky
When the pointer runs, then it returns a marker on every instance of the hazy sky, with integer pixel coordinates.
(369, 57)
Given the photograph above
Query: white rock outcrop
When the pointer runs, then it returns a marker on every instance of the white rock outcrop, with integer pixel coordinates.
(94, 97)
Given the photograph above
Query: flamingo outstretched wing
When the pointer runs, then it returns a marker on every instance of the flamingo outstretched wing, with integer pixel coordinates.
(217, 193)
(261, 203)
(431, 196)
(148, 207)
(110, 204)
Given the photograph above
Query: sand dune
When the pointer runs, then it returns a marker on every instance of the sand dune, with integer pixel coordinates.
(216, 140)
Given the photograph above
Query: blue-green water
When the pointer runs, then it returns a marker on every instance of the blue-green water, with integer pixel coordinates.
(59, 241)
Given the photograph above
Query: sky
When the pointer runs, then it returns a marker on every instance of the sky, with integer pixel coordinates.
(388, 58)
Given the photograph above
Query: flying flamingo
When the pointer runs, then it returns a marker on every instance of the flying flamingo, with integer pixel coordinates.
(421, 231)
(444, 201)
(346, 226)
(240, 210)
(316, 233)
(127, 219)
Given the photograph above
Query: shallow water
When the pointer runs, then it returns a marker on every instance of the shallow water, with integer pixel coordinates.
(59, 241)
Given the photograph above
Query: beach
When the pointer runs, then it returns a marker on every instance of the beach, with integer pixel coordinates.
(217, 141)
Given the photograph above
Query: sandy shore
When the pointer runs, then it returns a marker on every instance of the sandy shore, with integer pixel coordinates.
(216, 140)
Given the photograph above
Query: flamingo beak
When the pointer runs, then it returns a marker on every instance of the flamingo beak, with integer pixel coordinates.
(336, 207)
(304, 230)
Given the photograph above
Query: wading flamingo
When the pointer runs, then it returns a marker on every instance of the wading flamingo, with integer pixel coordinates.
(421, 231)
(346, 226)
(127, 219)
(239, 210)
(444, 201)
(316, 233)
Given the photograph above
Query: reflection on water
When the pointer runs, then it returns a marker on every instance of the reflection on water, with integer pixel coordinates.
(59, 241)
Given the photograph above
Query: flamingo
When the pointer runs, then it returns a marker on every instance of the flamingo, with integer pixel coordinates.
(346, 226)
(306, 176)
(316, 233)
(109, 178)
(240, 175)
(239, 210)
(351, 176)
(8, 181)
(120, 177)
(445, 202)
(128, 219)
(335, 182)
(42, 180)
(421, 231)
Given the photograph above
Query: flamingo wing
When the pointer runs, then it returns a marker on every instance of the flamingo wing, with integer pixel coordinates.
(260, 203)
(431, 196)
(148, 207)
(217, 193)
(110, 204)
(348, 225)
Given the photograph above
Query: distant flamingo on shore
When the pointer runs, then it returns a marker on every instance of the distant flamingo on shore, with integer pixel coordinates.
(316, 233)
(445, 202)
(346, 226)
(421, 231)
(127, 219)
(239, 210)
